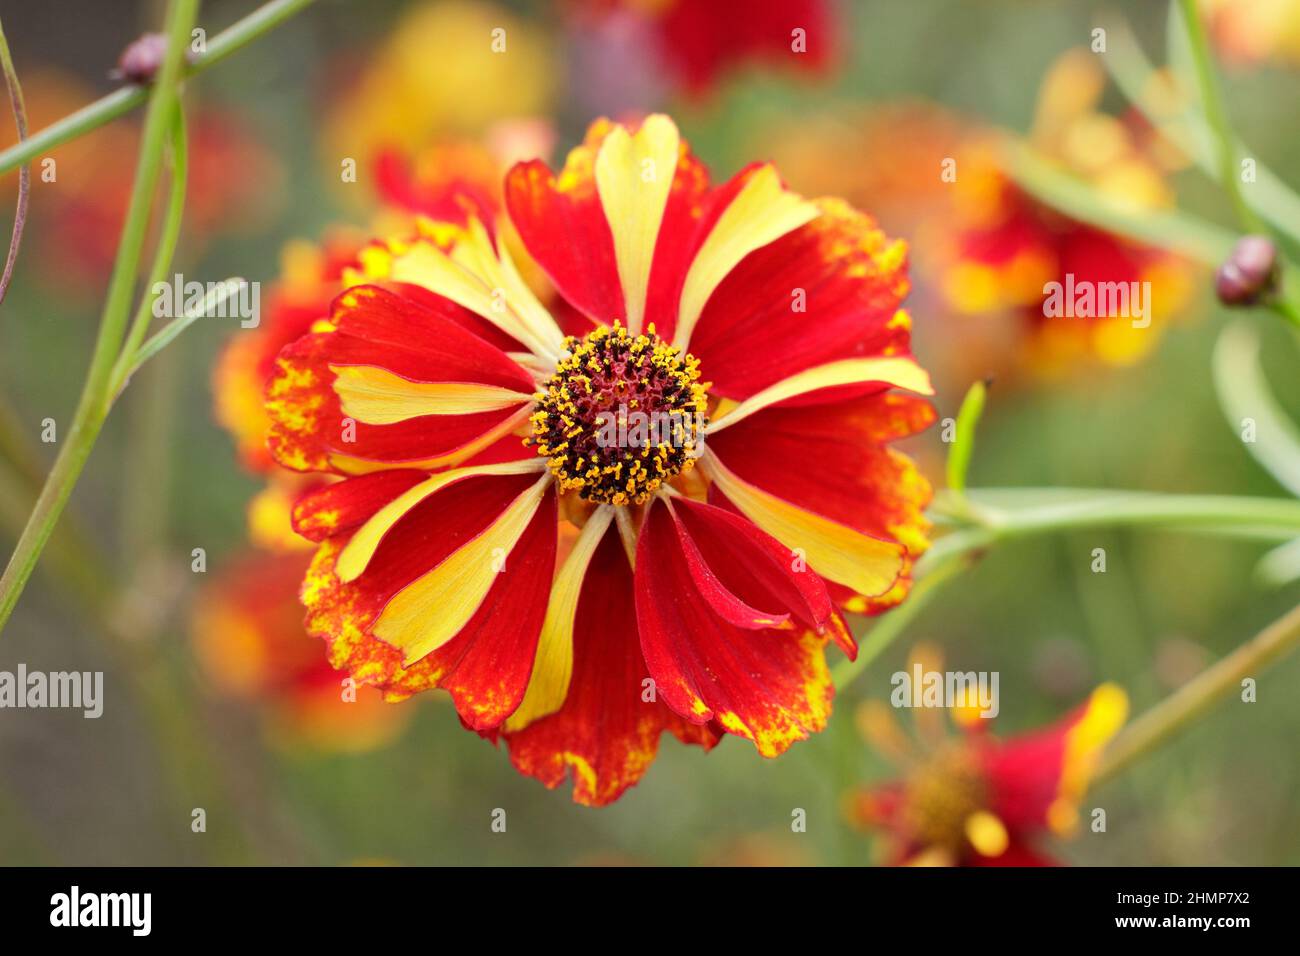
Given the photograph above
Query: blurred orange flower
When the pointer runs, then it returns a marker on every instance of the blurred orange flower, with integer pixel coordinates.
(450, 70)
(1255, 31)
(249, 640)
(1001, 248)
(80, 198)
(697, 43)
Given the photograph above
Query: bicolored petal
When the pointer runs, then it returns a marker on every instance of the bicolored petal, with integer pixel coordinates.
(340, 507)
(840, 553)
(771, 686)
(478, 274)
(553, 669)
(393, 381)
(896, 371)
(607, 733)
(563, 226)
(833, 460)
(435, 608)
(634, 177)
(760, 212)
(1037, 779)
(485, 664)
(827, 291)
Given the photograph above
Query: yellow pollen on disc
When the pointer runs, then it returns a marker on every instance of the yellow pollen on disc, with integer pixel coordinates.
(944, 802)
(621, 416)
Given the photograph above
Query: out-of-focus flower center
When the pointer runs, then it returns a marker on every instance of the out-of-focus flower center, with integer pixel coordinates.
(621, 415)
(942, 795)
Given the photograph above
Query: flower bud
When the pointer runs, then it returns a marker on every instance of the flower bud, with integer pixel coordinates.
(1249, 273)
(141, 59)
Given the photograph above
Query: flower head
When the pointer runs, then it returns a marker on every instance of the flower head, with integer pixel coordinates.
(972, 799)
(614, 463)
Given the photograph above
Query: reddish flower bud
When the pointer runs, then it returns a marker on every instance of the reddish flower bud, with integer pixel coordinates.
(141, 59)
(1249, 273)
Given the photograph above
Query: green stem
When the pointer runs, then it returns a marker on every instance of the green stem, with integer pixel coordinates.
(1217, 116)
(1129, 508)
(1200, 694)
(163, 256)
(981, 526)
(97, 396)
(120, 102)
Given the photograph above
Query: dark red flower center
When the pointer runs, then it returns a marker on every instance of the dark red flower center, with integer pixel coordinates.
(621, 415)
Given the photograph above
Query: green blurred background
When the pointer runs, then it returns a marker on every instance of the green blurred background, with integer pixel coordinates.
(119, 790)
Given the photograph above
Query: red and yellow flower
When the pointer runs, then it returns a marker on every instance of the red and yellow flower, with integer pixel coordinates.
(577, 594)
(972, 799)
(1001, 246)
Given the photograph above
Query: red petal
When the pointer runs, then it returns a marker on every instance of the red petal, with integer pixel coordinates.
(750, 336)
(563, 227)
(487, 665)
(606, 735)
(770, 686)
(833, 460)
(346, 505)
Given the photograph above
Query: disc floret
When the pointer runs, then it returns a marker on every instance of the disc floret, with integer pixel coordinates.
(621, 415)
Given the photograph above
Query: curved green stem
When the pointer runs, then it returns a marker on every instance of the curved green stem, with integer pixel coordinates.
(120, 102)
(981, 524)
(97, 396)
(1200, 694)
(167, 240)
(1216, 115)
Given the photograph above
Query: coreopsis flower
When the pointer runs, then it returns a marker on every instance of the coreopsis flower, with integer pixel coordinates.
(697, 43)
(972, 799)
(247, 634)
(1004, 250)
(642, 508)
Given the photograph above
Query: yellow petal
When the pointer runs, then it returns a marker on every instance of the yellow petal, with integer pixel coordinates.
(895, 370)
(433, 609)
(472, 277)
(634, 175)
(987, 834)
(364, 466)
(1106, 711)
(866, 565)
(553, 665)
(762, 212)
(376, 396)
(354, 558)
